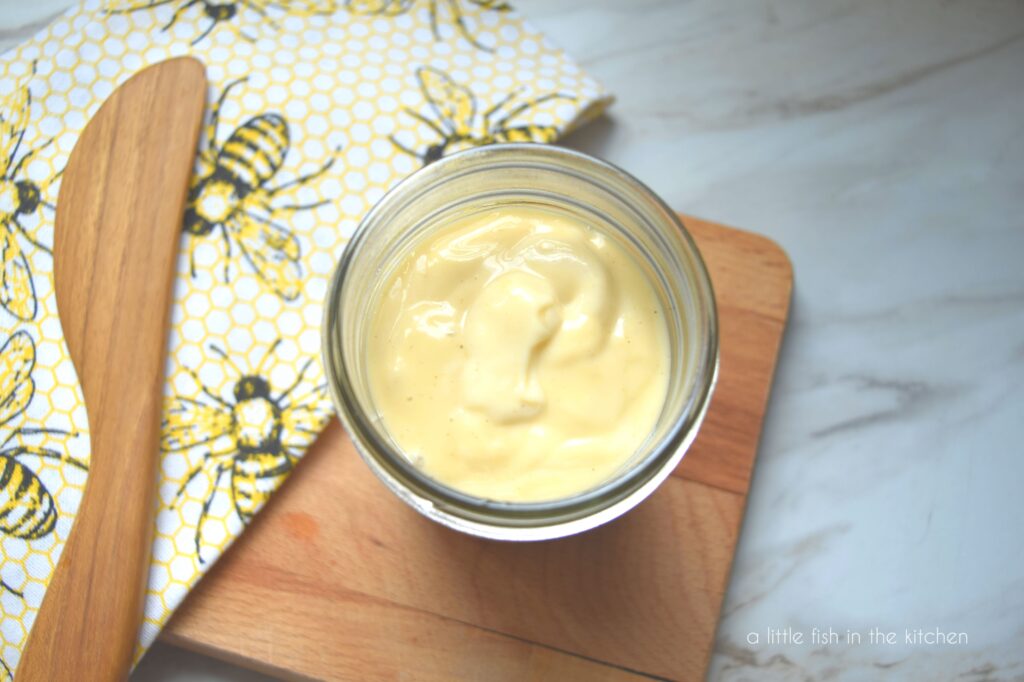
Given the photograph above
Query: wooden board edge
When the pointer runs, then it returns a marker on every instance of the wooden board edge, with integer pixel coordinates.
(786, 266)
(180, 641)
(778, 260)
(571, 666)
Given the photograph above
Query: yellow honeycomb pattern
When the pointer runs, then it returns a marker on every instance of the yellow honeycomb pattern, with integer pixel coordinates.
(315, 110)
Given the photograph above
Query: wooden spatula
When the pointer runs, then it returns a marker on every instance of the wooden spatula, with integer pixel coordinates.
(116, 238)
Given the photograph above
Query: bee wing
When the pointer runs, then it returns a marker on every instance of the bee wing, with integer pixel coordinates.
(303, 420)
(188, 423)
(454, 104)
(17, 292)
(13, 118)
(17, 358)
(272, 250)
(390, 8)
(28, 512)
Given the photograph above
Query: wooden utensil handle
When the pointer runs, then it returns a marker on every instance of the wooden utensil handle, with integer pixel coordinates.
(118, 227)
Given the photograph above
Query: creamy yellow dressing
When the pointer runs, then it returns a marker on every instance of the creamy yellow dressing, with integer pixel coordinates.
(518, 355)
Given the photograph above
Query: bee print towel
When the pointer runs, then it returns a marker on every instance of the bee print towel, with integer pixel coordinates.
(315, 110)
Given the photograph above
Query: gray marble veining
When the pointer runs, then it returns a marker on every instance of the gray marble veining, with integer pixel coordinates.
(881, 143)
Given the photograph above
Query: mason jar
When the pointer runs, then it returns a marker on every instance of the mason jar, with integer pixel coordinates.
(563, 181)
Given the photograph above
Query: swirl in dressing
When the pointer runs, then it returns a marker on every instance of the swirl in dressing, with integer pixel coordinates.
(518, 355)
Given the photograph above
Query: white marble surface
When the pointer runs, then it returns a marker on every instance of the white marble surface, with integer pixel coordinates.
(882, 144)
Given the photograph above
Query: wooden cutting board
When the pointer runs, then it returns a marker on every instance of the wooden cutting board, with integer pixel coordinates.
(337, 579)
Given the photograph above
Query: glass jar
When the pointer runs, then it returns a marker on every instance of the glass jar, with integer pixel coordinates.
(557, 179)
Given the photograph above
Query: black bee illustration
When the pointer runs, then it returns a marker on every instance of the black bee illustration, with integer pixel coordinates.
(27, 509)
(254, 436)
(223, 12)
(20, 197)
(452, 115)
(456, 13)
(230, 194)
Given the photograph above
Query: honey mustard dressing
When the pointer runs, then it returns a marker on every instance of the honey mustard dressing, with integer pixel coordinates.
(518, 355)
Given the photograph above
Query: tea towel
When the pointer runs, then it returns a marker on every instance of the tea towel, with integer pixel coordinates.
(315, 110)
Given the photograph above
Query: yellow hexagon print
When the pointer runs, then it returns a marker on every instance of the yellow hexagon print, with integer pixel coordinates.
(39, 482)
(315, 110)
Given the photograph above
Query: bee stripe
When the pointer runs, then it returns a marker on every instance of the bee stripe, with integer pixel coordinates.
(28, 511)
(526, 133)
(255, 151)
(12, 482)
(8, 493)
(255, 478)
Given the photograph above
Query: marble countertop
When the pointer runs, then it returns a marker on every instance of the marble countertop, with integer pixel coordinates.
(882, 145)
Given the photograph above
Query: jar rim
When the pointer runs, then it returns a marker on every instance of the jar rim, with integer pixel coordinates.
(497, 518)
